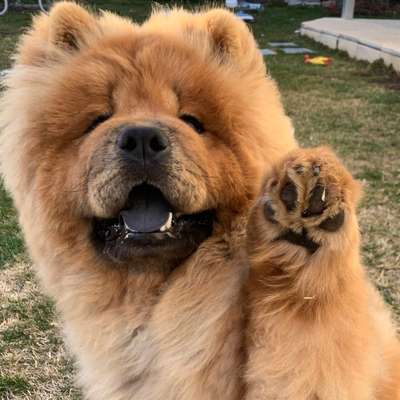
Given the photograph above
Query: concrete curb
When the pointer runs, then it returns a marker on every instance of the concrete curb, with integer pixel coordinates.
(356, 46)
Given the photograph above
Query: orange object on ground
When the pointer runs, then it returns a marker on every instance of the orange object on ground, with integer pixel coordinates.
(320, 60)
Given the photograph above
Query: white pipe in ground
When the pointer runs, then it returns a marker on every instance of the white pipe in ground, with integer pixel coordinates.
(5, 8)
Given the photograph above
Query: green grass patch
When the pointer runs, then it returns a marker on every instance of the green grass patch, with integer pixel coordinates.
(43, 314)
(17, 334)
(13, 385)
(11, 242)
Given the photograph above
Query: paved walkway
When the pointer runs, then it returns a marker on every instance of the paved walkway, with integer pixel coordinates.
(364, 39)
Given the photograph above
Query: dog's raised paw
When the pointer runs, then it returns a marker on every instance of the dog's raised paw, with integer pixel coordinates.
(309, 194)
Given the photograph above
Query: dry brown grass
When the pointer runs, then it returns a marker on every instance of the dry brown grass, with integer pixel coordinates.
(33, 361)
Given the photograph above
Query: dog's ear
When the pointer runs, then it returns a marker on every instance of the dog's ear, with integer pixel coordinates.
(66, 29)
(71, 27)
(233, 41)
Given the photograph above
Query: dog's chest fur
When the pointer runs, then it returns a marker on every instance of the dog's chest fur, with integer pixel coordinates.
(179, 339)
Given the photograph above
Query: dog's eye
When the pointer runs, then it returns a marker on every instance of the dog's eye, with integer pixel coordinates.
(97, 121)
(193, 122)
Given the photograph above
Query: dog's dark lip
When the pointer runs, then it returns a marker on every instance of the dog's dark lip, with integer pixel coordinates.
(113, 229)
(178, 238)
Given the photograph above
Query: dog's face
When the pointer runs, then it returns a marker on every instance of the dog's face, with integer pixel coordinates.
(146, 143)
(139, 140)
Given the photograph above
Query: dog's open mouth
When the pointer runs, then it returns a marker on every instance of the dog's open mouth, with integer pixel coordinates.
(149, 226)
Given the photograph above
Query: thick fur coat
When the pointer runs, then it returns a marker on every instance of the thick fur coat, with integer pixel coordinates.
(273, 304)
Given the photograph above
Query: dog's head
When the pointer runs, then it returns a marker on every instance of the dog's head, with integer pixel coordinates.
(138, 139)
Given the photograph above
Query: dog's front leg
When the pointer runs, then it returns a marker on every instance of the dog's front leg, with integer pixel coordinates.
(313, 331)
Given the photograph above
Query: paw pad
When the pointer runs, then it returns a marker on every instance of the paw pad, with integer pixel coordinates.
(316, 170)
(289, 196)
(269, 212)
(317, 203)
(332, 224)
(299, 169)
(300, 239)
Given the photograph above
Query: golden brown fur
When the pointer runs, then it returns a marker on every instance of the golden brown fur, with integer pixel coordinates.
(317, 328)
(159, 327)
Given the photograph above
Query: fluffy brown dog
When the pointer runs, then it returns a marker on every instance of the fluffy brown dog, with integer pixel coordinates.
(134, 155)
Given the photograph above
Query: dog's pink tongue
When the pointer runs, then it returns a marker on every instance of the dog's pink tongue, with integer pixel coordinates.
(149, 211)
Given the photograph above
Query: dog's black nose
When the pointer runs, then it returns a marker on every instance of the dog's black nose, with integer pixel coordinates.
(143, 144)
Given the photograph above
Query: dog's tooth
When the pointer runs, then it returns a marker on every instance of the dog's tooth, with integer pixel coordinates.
(168, 224)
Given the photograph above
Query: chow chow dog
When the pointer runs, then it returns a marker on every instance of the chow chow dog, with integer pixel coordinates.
(194, 251)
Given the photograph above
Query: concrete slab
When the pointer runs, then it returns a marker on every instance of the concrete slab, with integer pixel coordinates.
(267, 52)
(297, 50)
(282, 44)
(364, 39)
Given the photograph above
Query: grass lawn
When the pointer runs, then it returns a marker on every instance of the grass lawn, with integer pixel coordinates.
(350, 105)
